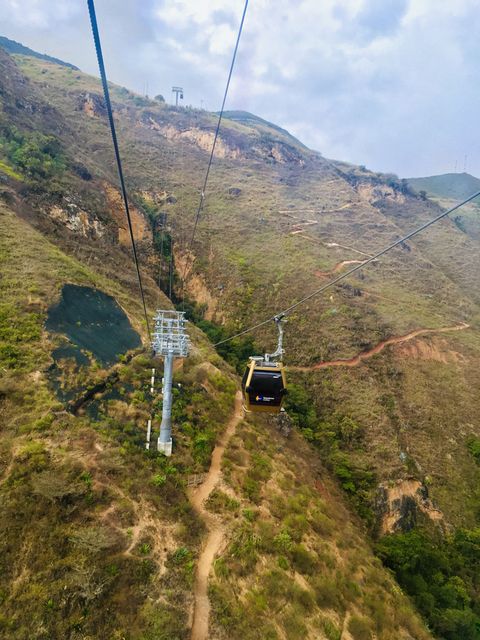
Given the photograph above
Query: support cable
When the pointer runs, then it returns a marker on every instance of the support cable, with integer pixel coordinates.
(353, 270)
(217, 130)
(160, 271)
(170, 272)
(106, 93)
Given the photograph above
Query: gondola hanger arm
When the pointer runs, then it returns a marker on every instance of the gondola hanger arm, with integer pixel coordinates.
(279, 351)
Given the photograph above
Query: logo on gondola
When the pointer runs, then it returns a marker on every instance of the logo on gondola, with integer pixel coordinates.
(263, 398)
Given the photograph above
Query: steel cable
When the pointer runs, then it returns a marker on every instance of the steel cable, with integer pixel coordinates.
(350, 271)
(217, 130)
(106, 93)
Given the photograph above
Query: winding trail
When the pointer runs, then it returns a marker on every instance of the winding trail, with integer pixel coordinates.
(216, 534)
(364, 355)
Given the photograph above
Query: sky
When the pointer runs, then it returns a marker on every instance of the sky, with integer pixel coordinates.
(390, 84)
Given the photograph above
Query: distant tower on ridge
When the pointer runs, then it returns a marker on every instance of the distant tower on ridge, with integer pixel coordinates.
(178, 91)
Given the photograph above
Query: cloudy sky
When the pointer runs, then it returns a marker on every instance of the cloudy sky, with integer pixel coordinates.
(392, 84)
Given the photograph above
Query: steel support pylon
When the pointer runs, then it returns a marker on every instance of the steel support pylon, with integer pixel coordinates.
(170, 340)
(165, 438)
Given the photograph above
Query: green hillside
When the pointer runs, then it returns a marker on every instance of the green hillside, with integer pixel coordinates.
(364, 518)
(452, 186)
(249, 118)
(11, 46)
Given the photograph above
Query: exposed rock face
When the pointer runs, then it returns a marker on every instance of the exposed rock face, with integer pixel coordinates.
(77, 220)
(196, 287)
(93, 105)
(158, 198)
(398, 506)
(372, 193)
(199, 137)
(284, 424)
(229, 145)
(141, 229)
(281, 153)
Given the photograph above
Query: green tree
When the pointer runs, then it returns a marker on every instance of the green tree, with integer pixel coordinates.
(37, 155)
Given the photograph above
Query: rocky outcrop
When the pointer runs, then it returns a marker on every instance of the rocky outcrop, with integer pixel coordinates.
(398, 506)
(202, 138)
(77, 220)
(196, 287)
(92, 104)
(141, 228)
(372, 193)
(280, 153)
(283, 423)
(230, 144)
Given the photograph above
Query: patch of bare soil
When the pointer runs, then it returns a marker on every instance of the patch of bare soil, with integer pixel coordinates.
(338, 267)
(196, 286)
(141, 229)
(400, 499)
(435, 349)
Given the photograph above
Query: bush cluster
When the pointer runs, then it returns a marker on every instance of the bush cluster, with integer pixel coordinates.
(441, 575)
(37, 155)
(336, 438)
(236, 352)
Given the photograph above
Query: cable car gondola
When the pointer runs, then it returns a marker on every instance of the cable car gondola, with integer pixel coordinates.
(264, 383)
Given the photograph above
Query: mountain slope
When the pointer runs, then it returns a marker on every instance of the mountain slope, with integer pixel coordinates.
(10, 46)
(450, 186)
(393, 432)
(91, 523)
(447, 190)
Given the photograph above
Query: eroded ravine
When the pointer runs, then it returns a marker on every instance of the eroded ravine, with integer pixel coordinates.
(215, 537)
(364, 355)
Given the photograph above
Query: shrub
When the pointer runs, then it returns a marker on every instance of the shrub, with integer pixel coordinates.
(330, 629)
(37, 155)
(300, 408)
(303, 561)
(297, 526)
(360, 628)
(261, 467)
(474, 448)
(321, 523)
(283, 542)
(93, 539)
(224, 606)
(219, 502)
(244, 548)
(55, 486)
(236, 352)
(251, 489)
(294, 627)
(164, 622)
(453, 624)
(327, 593)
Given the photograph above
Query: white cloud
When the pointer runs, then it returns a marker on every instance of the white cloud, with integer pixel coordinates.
(392, 84)
(38, 14)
